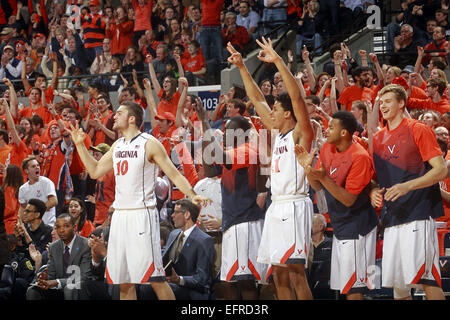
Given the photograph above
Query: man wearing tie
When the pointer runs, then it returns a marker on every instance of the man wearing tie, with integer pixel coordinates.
(69, 264)
(192, 253)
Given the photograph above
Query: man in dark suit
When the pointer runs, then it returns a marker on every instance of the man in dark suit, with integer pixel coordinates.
(69, 264)
(192, 253)
(98, 288)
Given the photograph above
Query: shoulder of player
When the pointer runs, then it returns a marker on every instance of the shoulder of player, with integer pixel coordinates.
(416, 126)
(358, 152)
(151, 143)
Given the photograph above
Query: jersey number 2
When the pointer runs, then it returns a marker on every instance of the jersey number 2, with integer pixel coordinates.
(122, 167)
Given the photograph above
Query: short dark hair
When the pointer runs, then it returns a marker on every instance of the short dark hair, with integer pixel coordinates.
(270, 99)
(439, 64)
(131, 90)
(37, 120)
(286, 103)
(188, 205)
(66, 215)
(333, 48)
(239, 92)
(27, 160)
(77, 114)
(195, 43)
(315, 99)
(134, 110)
(39, 205)
(37, 89)
(436, 82)
(347, 121)
(443, 11)
(39, 75)
(97, 85)
(359, 70)
(238, 103)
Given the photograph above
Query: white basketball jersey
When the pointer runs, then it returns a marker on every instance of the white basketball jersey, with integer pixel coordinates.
(287, 175)
(135, 175)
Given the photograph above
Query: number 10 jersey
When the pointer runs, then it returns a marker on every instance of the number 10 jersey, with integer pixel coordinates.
(135, 175)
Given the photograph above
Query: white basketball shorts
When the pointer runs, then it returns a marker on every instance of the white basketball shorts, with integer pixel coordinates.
(134, 247)
(350, 261)
(287, 231)
(411, 255)
(239, 253)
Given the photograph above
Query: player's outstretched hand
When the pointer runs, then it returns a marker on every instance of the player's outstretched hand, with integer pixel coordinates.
(267, 54)
(76, 133)
(235, 57)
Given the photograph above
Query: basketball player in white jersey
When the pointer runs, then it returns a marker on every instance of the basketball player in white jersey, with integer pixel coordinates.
(134, 252)
(287, 227)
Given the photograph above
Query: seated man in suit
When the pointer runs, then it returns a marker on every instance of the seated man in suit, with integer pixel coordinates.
(192, 253)
(98, 288)
(69, 264)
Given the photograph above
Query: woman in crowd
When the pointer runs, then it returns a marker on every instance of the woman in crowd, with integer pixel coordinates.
(77, 209)
(12, 180)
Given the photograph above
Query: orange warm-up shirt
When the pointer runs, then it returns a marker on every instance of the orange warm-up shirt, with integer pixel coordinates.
(353, 93)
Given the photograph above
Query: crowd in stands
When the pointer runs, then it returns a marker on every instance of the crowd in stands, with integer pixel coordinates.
(151, 52)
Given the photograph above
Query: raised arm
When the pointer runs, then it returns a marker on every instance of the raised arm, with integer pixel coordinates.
(151, 104)
(321, 94)
(311, 75)
(303, 132)
(153, 77)
(179, 66)
(420, 54)
(136, 85)
(13, 101)
(11, 126)
(23, 75)
(179, 121)
(363, 55)
(333, 100)
(380, 74)
(253, 91)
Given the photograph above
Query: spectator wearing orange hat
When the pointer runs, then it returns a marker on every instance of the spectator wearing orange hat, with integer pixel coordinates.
(55, 160)
(164, 127)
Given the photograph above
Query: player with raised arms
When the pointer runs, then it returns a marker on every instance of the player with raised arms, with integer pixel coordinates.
(134, 252)
(287, 227)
